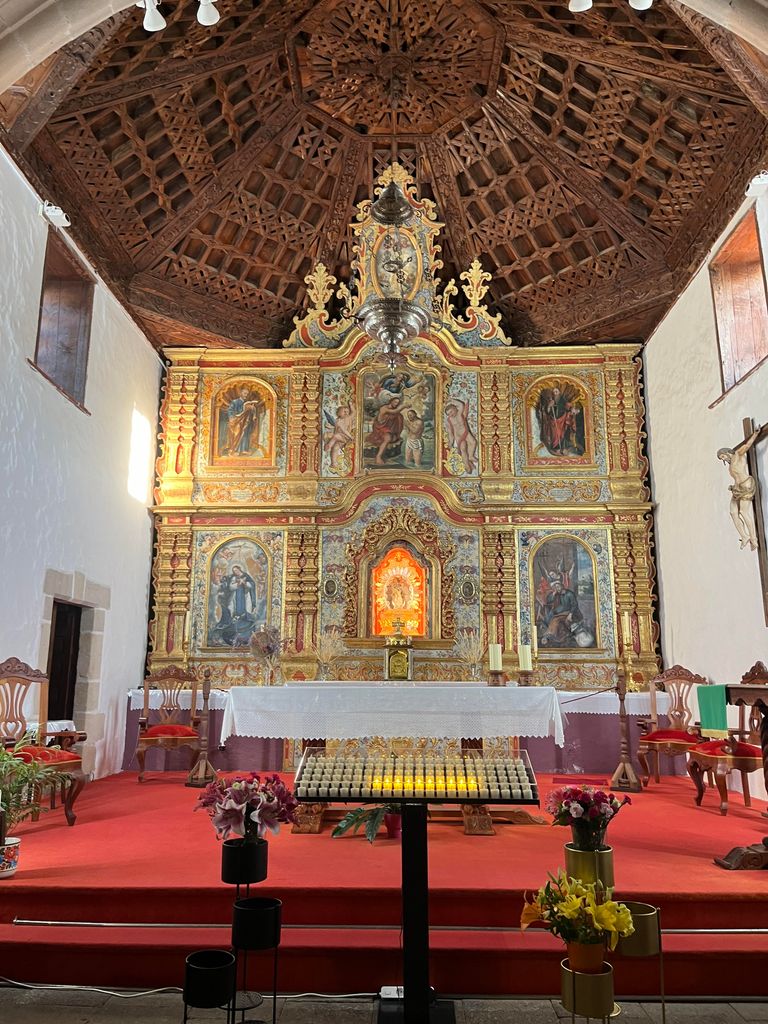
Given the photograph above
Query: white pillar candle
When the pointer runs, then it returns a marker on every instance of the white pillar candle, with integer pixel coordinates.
(526, 661)
(494, 657)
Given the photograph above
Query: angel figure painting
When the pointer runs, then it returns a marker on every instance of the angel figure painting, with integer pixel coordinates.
(243, 421)
(398, 420)
(557, 429)
(563, 588)
(237, 593)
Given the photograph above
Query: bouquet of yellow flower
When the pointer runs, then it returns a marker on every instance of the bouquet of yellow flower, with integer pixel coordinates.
(578, 912)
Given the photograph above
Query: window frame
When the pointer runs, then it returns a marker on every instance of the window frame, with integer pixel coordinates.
(80, 271)
(753, 210)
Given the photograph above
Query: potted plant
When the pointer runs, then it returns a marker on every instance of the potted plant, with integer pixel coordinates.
(371, 819)
(23, 780)
(587, 810)
(243, 810)
(583, 915)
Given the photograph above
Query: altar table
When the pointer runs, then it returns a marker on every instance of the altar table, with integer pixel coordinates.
(328, 711)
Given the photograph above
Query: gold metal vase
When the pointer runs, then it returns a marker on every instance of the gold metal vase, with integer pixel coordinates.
(587, 995)
(590, 865)
(646, 938)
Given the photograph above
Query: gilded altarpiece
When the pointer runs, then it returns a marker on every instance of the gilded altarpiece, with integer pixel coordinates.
(513, 480)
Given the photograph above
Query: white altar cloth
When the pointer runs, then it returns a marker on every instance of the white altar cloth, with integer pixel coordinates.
(326, 711)
(577, 702)
(216, 701)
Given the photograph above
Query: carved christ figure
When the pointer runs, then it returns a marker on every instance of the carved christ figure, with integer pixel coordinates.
(742, 490)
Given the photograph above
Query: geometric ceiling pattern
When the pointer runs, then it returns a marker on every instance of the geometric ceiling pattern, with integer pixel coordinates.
(589, 160)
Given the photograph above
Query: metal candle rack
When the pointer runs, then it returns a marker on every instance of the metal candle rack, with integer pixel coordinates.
(414, 782)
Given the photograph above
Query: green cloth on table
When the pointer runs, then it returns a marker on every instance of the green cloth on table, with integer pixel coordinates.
(713, 714)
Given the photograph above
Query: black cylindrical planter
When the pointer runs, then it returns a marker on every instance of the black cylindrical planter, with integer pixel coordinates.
(209, 977)
(256, 923)
(243, 862)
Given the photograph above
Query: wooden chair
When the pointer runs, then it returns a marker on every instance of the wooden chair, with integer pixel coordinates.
(682, 733)
(16, 681)
(177, 726)
(740, 752)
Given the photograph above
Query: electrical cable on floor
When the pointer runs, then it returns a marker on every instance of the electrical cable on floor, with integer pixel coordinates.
(9, 982)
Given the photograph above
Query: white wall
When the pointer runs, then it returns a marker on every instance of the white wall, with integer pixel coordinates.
(711, 605)
(66, 507)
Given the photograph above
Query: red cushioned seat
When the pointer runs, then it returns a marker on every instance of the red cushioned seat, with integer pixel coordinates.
(670, 735)
(46, 755)
(171, 730)
(717, 748)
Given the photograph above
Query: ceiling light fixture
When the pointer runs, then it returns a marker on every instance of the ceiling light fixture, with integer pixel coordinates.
(579, 6)
(641, 5)
(207, 13)
(153, 19)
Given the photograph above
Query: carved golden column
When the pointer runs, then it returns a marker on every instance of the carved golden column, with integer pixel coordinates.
(495, 432)
(627, 466)
(304, 422)
(172, 578)
(499, 591)
(178, 424)
(634, 575)
(302, 585)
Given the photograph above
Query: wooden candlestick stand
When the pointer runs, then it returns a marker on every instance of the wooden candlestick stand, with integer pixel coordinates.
(496, 678)
(203, 771)
(625, 779)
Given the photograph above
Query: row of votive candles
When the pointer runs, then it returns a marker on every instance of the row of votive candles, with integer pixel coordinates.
(473, 778)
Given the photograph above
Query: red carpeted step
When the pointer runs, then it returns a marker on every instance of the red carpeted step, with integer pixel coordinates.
(361, 960)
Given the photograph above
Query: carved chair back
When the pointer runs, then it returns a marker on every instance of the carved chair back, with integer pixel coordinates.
(749, 727)
(17, 680)
(679, 683)
(171, 682)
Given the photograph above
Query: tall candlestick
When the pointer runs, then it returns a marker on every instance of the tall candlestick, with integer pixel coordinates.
(524, 658)
(494, 657)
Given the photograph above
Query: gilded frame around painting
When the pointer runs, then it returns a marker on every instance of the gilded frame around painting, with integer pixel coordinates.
(245, 407)
(559, 423)
(258, 619)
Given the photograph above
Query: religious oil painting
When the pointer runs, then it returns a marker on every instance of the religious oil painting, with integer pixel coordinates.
(398, 421)
(244, 424)
(399, 594)
(460, 426)
(238, 593)
(339, 416)
(563, 591)
(559, 422)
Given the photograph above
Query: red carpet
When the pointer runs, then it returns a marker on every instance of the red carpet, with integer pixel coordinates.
(139, 854)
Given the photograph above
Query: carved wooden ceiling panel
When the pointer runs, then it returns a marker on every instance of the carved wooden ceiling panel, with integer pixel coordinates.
(589, 160)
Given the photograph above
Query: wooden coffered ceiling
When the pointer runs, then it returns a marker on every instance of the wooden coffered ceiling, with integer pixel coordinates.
(589, 160)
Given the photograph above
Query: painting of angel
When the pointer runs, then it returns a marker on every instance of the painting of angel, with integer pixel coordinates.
(339, 438)
(237, 593)
(563, 588)
(398, 420)
(558, 410)
(244, 424)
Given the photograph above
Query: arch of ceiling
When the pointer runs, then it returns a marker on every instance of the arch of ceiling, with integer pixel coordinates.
(30, 32)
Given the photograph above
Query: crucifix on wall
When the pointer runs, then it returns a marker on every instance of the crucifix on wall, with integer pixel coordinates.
(746, 503)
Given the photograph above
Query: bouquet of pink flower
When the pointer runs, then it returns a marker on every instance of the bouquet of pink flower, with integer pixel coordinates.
(248, 806)
(587, 810)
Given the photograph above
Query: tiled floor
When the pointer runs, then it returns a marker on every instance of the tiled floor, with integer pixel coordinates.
(85, 1007)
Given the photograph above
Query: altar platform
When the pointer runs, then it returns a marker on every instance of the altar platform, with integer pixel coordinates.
(138, 855)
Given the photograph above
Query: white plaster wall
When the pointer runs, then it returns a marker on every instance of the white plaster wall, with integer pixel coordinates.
(66, 505)
(711, 606)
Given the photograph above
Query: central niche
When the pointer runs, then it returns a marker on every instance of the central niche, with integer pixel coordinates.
(399, 593)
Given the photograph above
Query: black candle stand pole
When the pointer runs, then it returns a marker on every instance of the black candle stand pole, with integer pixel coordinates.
(418, 1005)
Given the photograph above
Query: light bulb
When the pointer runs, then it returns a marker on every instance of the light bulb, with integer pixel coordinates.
(153, 19)
(641, 5)
(207, 13)
(579, 6)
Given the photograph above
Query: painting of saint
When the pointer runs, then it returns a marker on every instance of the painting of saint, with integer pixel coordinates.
(244, 424)
(563, 588)
(557, 420)
(459, 434)
(398, 420)
(339, 439)
(237, 593)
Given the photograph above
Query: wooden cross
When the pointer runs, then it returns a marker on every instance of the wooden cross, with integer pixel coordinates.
(762, 548)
